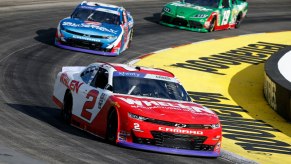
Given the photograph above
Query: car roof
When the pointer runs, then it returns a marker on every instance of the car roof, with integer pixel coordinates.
(96, 5)
(130, 68)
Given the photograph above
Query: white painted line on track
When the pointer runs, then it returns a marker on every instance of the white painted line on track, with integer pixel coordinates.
(132, 62)
(14, 52)
(253, 34)
(202, 41)
(159, 51)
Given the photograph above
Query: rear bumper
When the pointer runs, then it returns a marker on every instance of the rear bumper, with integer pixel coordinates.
(58, 44)
(168, 150)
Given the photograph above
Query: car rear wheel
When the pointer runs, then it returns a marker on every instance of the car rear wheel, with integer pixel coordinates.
(212, 25)
(66, 113)
(238, 21)
(130, 38)
(112, 124)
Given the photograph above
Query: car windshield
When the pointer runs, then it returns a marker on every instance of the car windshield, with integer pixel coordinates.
(205, 3)
(96, 16)
(149, 88)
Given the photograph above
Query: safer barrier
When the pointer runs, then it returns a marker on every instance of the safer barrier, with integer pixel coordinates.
(277, 84)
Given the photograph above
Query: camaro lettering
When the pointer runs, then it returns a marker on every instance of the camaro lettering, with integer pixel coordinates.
(167, 105)
(85, 38)
(180, 131)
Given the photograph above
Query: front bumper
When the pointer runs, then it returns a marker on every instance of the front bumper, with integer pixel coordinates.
(183, 24)
(162, 136)
(96, 52)
(169, 150)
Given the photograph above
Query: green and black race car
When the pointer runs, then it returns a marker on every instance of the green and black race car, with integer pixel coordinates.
(204, 15)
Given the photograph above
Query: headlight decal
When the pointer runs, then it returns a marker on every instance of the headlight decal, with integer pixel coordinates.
(167, 9)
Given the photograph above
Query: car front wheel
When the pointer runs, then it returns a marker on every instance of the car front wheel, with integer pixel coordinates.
(212, 25)
(66, 113)
(112, 124)
(238, 21)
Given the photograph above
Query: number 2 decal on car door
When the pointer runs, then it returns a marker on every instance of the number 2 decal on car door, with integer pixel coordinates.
(89, 105)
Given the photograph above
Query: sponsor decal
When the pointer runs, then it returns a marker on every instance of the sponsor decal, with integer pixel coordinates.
(87, 7)
(143, 75)
(129, 74)
(178, 4)
(101, 28)
(73, 85)
(181, 131)
(166, 105)
(102, 100)
(251, 54)
(163, 77)
(270, 92)
(200, 8)
(93, 23)
(65, 79)
(250, 134)
(108, 11)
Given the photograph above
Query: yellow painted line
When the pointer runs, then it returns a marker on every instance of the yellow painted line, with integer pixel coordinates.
(227, 75)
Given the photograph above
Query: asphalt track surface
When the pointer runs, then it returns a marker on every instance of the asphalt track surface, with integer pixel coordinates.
(31, 130)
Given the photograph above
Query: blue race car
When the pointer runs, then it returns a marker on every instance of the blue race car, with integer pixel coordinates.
(96, 28)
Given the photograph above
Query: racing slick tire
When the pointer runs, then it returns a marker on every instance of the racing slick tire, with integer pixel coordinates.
(238, 21)
(112, 125)
(130, 38)
(212, 25)
(66, 113)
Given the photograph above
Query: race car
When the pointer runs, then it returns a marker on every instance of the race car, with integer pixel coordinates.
(204, 15)
(136, 107)
(96, 28)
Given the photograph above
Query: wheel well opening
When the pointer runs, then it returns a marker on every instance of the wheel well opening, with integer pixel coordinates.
(112, 110)
(239, 16)
(112, 126)
(68, 96)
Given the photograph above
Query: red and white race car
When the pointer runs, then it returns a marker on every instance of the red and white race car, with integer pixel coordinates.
(137, 107)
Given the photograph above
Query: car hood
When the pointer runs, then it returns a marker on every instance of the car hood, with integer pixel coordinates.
(167, 110)
(188, 10)
(90, 28)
